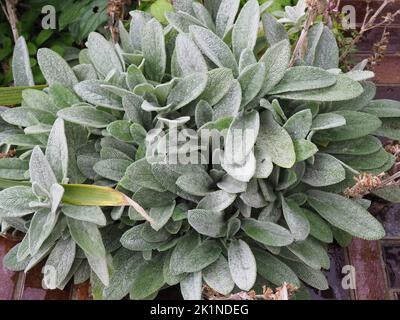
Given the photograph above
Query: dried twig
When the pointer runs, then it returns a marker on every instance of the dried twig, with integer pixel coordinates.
(116, 11)
(10, 12)
(369, 23)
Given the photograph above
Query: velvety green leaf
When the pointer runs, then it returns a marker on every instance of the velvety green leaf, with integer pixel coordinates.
(216, 201)
(85, 213)
(219, 81)
(13, 168)
(319, 228)
(21, 68)
(374, 160)
(274, 31)
(245, 29)
(188, 56)
(304, 149)
(275, 140)
(198, 184)
(161, 215)
(229, 105)
(311, 252)
(304, 78)
(153, 48)
(389, 193)
(299, 124)
(40, 170)
(57, 151)
(362, 146)
(311, 276)
(242, 264)
(86, 116)
(242, 172)
(207, 222)
(15, 201)
(96, 93)
(296, 219)
(267, 233)
(218, 277)
(390, 129)
(40, 228)
(140, 174)
(250, 80)
(225, 18)
(346, 214)
(326, 170)
(383, 108)
(191, 286)
(112, 169)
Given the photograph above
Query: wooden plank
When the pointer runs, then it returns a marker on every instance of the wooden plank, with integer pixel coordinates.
(8, 279)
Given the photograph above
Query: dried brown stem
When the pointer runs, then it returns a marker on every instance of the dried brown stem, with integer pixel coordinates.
(369, 23)
(10, 12)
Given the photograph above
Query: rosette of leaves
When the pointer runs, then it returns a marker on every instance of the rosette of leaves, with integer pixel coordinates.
(260, 216)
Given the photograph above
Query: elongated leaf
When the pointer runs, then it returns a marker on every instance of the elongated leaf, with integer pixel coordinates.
(274, 31)
(57, 151)
(226, 16)
(207, 222)
(189, 57)
(13, 168)
(15, 201)
(91, 214)
(245, 29)
(21, 67)
(346, 215)
(242, 264)
(191, 286)
(86, 116)
(267, 233)
(218, 277)
(250, 81)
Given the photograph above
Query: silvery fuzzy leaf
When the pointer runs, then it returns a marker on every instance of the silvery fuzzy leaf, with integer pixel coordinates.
(13, 168)
(203, 113)
(251, 81)
(191, 286)
(264, 163)
(362, 146)
(59, 262)
(344, 89)
(241, 136)
(40, 170)
(217, 201)
(326, 170)
(304, 78)
(91, 214)
(55, 69)
(276, 61)
(21, 67)
(181, 21)
(358, 124)
(322, 49)
(154, 236)
(247, 58)
(23, 140)
(226, 15)
(125, 38)
(218, 277)
(187, 89)
(214, 48)
(389, 129)
(212, 7)
(274, 270)
(15, 201)
(132, 106)
(183, 5)
(87, 116)
(85, 72)
(358, 75)
(112, 169)
(245, 29)
(126, 264)
(149, 278)
(87, 236)
(319, 228)
(140, 172)
(230, 103)
(362, 163)
(242, 264)
(198, 184)
(82, 273)
(61, 97)
(148, 198)
(207, 222)
(324, 121)
(242, 172)
(36, 99)
(299, 124)
(188, 56)
(23, 248)
(56, 194)
(170, 278)
(120, 130)
(231, 185)
(133, 240)
(296, 219)
(312, 277)
(11, 262)
(203, 15)
(304, 149)
(22, 117)
(311, 252)
(383, 108)
(361, 101)
(99, 266)
(218, 83)
(102, 54)
(38, 129)
(268, 233)
(163, 90)
(275, 141)
(153, 48)
(273, 30)
(139, 19)
(185, 245)
(57, 151)
(253, 197)
(94, 92)
(134, 77)
(161, 215)
(40, 228)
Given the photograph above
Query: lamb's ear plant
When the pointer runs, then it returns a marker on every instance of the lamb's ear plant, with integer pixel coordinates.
(256, 211)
